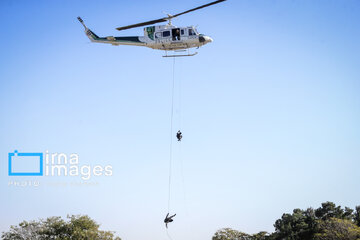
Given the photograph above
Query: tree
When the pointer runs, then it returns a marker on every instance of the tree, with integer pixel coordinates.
(338, 229)
(329, 210)
(296, 226)
(261, 236)
(357, 216)
(230, 234)
(25, 230)
(328, 222)
(302, 225)
(78, 227)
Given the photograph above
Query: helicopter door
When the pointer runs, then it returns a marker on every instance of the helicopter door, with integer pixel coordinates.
(175, 34)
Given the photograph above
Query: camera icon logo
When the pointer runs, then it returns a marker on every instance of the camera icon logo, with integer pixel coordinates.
(25, 164)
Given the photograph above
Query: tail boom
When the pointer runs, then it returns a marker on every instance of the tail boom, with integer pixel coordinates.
(134, 41)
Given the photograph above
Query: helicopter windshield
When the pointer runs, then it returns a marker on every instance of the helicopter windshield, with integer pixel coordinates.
(192, 31)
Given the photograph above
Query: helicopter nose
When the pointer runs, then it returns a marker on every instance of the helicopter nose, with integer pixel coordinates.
(208, 39)
(205, 39)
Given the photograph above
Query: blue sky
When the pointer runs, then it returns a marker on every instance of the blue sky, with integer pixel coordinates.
(270, 113)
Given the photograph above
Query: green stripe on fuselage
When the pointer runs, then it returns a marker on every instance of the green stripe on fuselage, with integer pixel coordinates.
(122, 39)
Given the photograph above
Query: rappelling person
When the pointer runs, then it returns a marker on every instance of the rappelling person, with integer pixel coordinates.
(168, 219)
(179, 136)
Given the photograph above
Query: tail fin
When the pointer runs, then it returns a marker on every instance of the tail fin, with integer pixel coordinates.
(82, 22)
(91, 35)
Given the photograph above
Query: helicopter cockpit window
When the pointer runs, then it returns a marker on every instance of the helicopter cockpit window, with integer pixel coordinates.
(166, 33)
(191, 32)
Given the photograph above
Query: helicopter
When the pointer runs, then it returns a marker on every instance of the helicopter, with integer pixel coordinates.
(161, 37)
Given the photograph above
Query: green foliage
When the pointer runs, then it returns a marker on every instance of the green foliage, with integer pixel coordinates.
(231, 234)
(338, 229)
(328, 222)
(330, 210)
(78, 227)
(261, 236)
(296, 226)
(303, 225)
(357, 216)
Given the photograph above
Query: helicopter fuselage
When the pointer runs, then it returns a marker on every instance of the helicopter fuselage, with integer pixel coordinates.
(161, 37)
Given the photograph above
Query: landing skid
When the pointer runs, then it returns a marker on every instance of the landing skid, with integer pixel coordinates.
(181, 55)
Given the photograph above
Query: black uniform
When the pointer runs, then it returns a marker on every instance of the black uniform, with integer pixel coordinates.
(179, 136)
(168, 219)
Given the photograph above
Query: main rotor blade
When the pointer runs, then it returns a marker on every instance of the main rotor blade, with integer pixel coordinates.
(143, 24)
(167, 18)
(194, 9)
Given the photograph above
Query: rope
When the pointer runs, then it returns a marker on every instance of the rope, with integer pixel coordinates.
(171, 132)
(183, 179)
(180, 96)
(180, 149)
(167, 232)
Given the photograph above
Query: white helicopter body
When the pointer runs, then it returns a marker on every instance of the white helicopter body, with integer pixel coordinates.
(161, 37)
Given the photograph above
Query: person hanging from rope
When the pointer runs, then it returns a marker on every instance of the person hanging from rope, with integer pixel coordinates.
(179, 136)
(168, 219)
